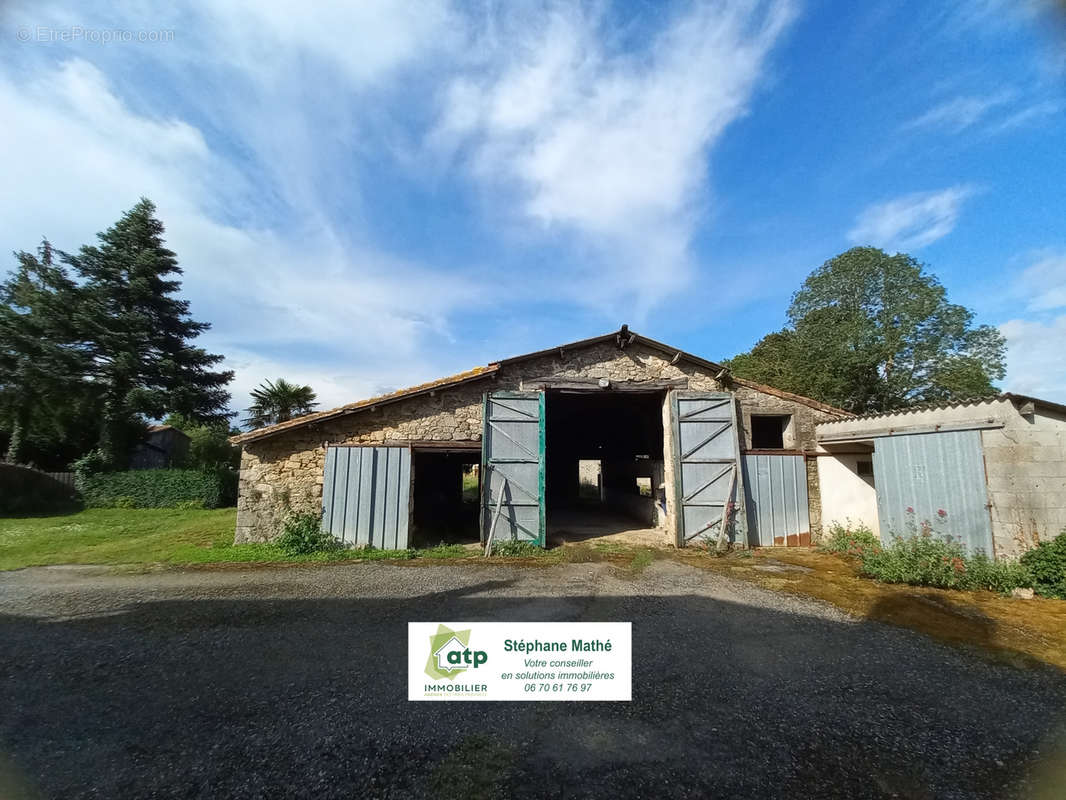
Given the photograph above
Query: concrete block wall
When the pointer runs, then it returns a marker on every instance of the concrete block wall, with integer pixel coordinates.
(284, 473)
(1025, 465)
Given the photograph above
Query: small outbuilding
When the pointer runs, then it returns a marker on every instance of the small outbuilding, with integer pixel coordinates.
(164, 446)
(990, 472)
(610, 435)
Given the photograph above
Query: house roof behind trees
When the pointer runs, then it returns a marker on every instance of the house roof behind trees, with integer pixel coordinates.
(622, 337)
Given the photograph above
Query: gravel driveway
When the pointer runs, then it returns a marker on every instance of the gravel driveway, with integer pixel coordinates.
(291, 682)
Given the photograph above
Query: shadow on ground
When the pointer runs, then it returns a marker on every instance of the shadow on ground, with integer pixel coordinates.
(307, 698)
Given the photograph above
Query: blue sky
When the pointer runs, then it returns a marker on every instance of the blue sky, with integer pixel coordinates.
(368, 195)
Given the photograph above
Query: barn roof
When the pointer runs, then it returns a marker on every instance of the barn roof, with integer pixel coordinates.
(961, 403)
(622, 337)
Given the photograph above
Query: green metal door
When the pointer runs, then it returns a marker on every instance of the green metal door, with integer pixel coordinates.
(706, 466)
(512, 456)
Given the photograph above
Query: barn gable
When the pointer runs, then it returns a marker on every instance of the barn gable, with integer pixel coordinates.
(283, 467)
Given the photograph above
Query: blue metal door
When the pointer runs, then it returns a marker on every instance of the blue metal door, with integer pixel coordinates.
(512, 454)
(934, 481)
(706, 459)
(365, 492)
(778, 510)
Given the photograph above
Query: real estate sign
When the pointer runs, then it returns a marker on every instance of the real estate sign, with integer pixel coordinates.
(519, 661)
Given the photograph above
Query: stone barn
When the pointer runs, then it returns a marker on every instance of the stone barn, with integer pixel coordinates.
(618, 434)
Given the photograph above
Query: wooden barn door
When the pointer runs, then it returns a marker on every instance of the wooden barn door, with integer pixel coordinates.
(706, 466)
(512, 455)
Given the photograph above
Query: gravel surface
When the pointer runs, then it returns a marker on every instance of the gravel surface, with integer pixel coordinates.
(291, 682)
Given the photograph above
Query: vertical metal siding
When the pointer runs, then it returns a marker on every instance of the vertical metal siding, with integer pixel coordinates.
(513, 456)
(365, 494)
(930, 472)
(778, 508)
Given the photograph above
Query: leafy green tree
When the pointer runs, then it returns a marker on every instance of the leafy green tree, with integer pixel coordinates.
(873, 332)
(209, 445)
(139, 334)
(279, 401)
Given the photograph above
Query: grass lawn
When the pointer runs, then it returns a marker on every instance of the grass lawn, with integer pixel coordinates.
(157, 535)
(114, 536)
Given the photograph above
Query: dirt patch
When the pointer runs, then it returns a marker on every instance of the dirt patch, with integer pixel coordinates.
(1014, 630)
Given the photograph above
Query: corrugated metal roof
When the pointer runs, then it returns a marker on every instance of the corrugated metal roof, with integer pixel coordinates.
(950, 404)
(477, 373)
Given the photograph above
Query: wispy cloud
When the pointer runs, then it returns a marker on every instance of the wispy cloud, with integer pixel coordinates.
(261, 135)
(990, 114)
(959, 113)
(1043, 283)
(913, 220)
(606, 146)
(252, 173)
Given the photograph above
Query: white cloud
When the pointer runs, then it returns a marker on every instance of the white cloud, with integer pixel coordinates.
(606, 146)
(1034, 344)
(1034, 357)
(254, 129)
(83, 157)
(1043, 282)
(911, 221)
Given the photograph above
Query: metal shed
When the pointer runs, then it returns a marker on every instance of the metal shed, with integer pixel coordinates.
(989, 472)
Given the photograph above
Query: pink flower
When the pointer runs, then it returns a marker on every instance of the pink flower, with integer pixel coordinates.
(910, 510)
(941, 513)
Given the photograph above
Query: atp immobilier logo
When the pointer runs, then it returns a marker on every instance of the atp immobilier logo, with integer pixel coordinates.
(450, 654)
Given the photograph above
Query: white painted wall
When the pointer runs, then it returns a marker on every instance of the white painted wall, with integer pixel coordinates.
(845, 495)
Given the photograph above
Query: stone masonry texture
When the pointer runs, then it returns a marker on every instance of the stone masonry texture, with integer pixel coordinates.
(284, 473)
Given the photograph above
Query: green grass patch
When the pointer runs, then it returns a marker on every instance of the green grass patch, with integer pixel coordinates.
(515, 549)
(115, 536)
(641, 560)
(164, 535)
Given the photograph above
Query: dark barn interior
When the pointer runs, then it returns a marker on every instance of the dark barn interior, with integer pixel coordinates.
(623, 431)
(446, 496)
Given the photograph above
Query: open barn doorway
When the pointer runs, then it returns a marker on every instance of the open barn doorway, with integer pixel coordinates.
(604, 467)
(446, 495)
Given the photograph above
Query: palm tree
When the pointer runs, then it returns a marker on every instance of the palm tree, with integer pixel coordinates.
(279, 401)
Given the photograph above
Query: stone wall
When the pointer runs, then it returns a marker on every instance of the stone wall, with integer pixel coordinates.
(284, 472)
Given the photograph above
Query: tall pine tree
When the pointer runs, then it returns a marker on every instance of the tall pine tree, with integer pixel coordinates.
(42, 361)
(138, 334)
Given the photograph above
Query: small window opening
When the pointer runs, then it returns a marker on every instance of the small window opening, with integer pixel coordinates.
(768, 432)
(644, 487)
(865, 469)
(471, 486)
(590, 478)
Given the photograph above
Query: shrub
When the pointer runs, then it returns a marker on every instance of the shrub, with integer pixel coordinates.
(852, 541)
(158, 488)
(91, 463)
(302, 534)
(928, 560)
(1047, 564)
(516, 549)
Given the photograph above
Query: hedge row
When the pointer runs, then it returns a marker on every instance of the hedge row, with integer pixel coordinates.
(159, 488)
